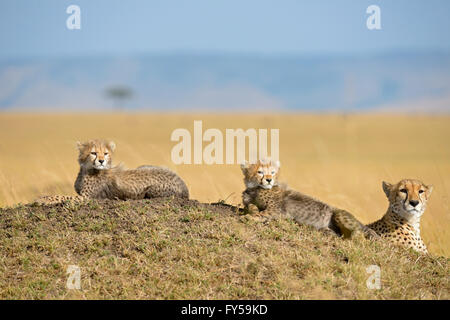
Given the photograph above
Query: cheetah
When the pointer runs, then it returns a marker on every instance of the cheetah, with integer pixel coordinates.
(266, 198)
(98, 179)
(401, 223)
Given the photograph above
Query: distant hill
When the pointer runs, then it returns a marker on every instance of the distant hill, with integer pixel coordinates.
(232, 82)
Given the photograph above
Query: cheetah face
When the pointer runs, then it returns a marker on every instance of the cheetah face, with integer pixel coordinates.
(96, 154)
(408, 198)
(262, 174)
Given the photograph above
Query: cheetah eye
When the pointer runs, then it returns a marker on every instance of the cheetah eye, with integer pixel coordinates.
(94, 153)
(273, 172)
(404, 190)
(260, 172)
(106, 153)
(420, 191)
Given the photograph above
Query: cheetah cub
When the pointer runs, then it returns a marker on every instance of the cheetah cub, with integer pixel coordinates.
(98, 179)
(401, 223)
(266, 198)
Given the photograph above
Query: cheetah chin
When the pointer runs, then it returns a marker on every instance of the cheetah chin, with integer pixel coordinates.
(401, 223)
(409, 212)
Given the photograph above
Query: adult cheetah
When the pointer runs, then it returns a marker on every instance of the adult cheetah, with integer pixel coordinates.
(401, 223)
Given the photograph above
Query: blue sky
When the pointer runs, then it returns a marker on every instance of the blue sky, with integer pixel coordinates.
(31, 28)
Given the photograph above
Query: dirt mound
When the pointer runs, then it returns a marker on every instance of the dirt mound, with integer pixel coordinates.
(182, 249)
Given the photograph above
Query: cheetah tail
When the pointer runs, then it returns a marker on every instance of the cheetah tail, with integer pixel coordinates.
(348, 225)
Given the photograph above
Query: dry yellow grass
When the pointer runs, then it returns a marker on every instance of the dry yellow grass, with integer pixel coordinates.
(339, 159)
(181, 249)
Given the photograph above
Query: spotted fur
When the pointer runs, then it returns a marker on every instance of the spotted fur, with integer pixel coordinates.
(265, 197)
(98, 179)
(401, 223)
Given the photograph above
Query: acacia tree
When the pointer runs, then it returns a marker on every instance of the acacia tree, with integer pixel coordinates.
(119, 94)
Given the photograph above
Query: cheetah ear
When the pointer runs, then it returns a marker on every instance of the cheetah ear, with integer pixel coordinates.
(244, 166)
(81, 145)
(111, 146)
(387, 188)
(277, 164)
(429, 190)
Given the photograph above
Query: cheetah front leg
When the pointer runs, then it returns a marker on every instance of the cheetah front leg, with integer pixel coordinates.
(257, 209)
(51, 200)
(249, 206)
(269, 212)
(258, 215)
(369, 233)
(251, 209)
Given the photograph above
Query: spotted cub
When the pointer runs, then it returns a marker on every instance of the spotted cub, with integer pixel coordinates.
(401, 223)
(265, 197)
(99, 179)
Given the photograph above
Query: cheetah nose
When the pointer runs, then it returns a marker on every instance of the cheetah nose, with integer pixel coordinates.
(413, 202)
(269, 180)
(101, 161)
